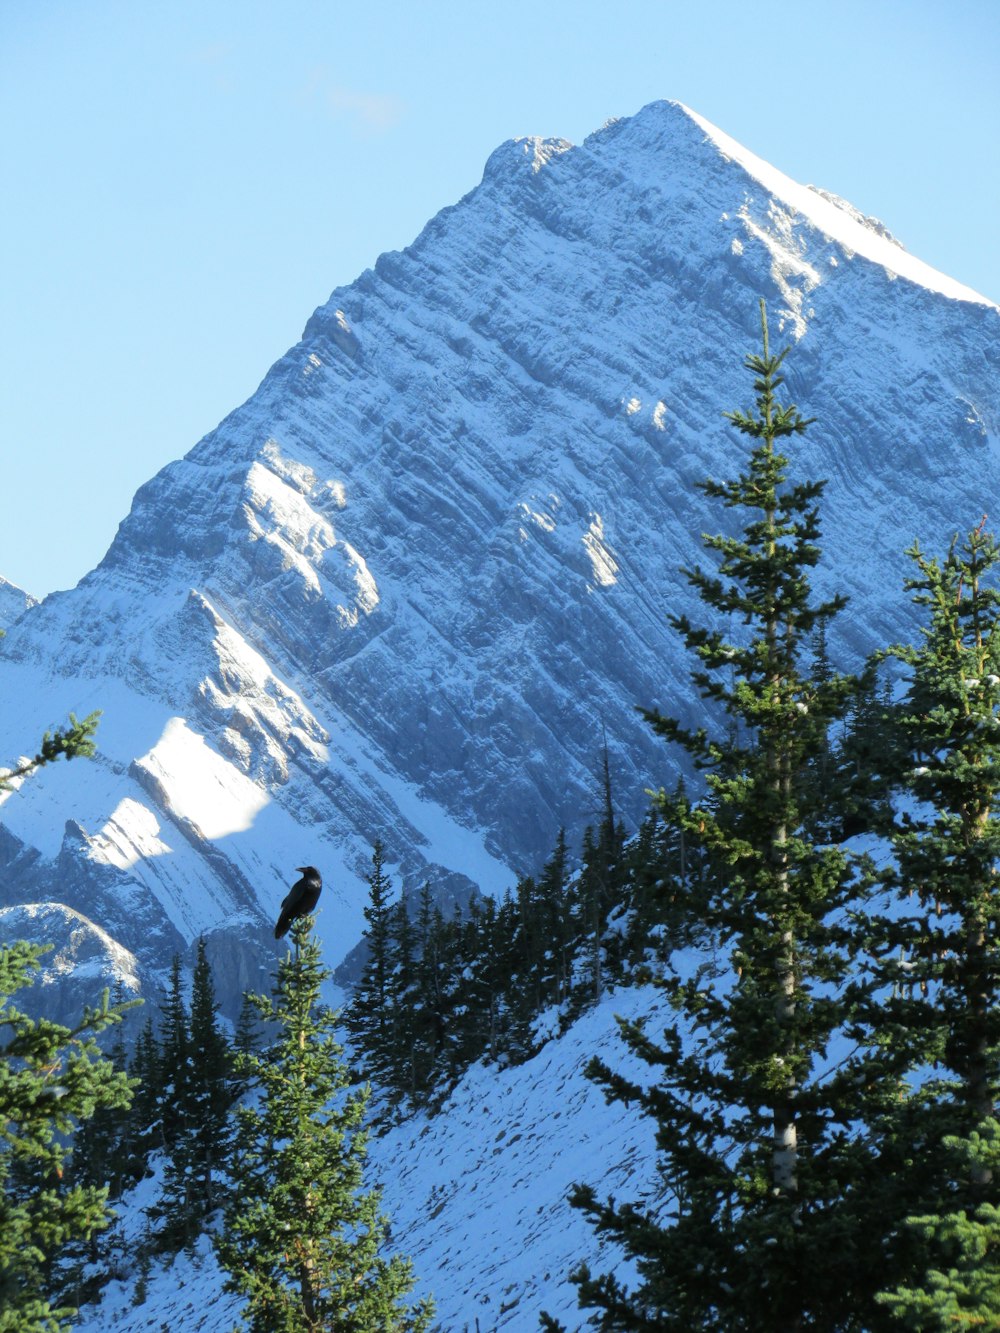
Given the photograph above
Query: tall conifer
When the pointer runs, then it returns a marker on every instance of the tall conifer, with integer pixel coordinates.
(369, 1018)
(51, 1079)
(303, 1240)
(943, 949)
(762, 1176)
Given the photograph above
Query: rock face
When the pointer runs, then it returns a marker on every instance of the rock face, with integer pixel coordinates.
(408, 587)
(14, 601)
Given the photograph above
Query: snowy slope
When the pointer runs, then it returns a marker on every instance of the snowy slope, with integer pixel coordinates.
(476, 1195)
(405, 590)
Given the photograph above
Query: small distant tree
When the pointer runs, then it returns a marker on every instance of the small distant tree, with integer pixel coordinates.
(51, 1079)
(302, 1239)
(370, 1018)
(211, 1087)
(195, 1092)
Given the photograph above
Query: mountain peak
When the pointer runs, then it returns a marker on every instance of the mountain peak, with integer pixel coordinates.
(406, 589)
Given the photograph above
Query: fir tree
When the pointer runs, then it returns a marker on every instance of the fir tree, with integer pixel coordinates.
(480, 1022)
(555, 908)
(960, 1284)
(173, 1055)
(404, 1004)
(185, 1105)
(52, 1078)
(947, 837)
(303, 1240)
(941, 950)
(143, 1135)
(210, 1091)
(369, 1017)
(97, 1157)
(194, 1109)
(763, 1175)
(171, 1211)
(430, 999)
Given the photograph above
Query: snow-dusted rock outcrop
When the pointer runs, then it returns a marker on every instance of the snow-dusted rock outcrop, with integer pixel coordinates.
(405, 589)
(14, 601)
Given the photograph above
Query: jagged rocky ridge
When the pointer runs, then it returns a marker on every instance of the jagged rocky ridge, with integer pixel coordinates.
(406, 589)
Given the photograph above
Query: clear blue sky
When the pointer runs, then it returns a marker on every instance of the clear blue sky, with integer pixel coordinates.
(184, 183)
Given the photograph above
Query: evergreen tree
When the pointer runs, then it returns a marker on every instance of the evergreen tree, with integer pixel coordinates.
(171, 1212)
(211, 1090)
(302, 1239)
(484, 962)
(960, 1284)
(52, 1078)
(143, 1135)
(665, 867)
(555, 909)
(942, 949)
(97, 1157)
(404, 1003)
(192, 1091)
(174, 1056)
(764, 1175)
(198, 1137)
(431, 1002)
(369, 1017)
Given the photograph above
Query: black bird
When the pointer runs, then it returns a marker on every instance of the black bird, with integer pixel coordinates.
(300, 900)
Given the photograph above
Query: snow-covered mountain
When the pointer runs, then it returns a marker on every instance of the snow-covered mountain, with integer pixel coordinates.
(407, 588)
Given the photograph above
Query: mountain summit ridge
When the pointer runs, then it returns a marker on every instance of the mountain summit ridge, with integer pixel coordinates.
(405, 589)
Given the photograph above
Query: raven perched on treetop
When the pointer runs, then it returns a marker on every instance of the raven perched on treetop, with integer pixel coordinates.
(300, 900)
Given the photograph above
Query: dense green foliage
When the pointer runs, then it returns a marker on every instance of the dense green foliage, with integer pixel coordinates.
(764, 1182)
(303, 1239)
(438, 992)
(51, 1079)
(185, 1088)
(945, 940)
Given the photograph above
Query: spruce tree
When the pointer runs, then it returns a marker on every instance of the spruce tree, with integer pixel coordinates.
(210, 1092)
(369, 1017)
(555, 907)
(98, 1156)
(174, 1055)
(942, 948)
(959, 1282)
(52, 1078)
(762, 1173)
(194, 1108)
(302, 1238)
(431, 1002)
(172, 1211)
(143, 1135)
(404, 1057)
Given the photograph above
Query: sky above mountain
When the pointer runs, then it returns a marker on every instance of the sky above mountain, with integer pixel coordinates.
(185, 184)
